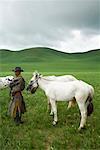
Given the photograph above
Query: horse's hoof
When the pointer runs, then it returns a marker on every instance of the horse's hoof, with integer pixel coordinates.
(51, 114)
(54, 123)
(81, 128)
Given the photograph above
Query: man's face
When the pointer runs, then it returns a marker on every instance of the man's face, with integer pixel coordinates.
(17, 73)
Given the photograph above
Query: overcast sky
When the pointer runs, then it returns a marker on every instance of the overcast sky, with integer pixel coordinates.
(66, 25)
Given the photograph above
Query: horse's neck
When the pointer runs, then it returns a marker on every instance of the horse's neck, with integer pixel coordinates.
(43, 83)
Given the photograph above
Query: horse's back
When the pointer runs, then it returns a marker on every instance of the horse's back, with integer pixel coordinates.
(60, 90)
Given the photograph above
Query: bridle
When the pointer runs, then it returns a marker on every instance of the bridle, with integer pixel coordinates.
(35, 81)
(9, 79)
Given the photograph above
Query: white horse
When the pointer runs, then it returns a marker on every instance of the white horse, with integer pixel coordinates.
(5, 81)
(65, 91)
(63, 78)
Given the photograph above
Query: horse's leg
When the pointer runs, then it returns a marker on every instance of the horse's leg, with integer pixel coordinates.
(54, 110)
(83, 111)
(51, 113)
(71, 103)
(48, 105)
(49, 108)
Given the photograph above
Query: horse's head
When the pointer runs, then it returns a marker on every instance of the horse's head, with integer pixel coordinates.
(8, 80)
(33, 84)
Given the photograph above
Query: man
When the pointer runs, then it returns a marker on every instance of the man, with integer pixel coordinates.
(17, 105)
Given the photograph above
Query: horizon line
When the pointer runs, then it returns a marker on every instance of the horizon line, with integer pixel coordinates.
(37, 47)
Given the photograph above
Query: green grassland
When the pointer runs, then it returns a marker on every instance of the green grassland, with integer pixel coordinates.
(48, 60)
(37, 131)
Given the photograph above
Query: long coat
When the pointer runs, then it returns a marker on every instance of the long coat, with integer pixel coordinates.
(17, 104)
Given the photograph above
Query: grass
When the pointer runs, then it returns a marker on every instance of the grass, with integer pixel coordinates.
(37, 132)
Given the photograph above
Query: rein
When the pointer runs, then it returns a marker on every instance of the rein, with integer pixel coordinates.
(35, 81)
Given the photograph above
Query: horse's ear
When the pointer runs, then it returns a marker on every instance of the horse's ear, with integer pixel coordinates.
(40, 75)
(36, 75)
(35, 72)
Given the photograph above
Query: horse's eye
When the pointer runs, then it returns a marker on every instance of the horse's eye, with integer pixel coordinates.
(36, 75)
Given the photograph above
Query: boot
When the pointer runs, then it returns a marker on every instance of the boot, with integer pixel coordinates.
(21, 122)
(16, 119)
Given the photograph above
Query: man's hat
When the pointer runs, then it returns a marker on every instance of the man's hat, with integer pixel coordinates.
(18, 69)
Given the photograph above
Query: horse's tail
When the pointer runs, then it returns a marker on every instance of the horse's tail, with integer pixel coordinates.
(91, 91)
(89, 104)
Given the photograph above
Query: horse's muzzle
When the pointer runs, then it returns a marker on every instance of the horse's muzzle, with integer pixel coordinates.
(33, 90)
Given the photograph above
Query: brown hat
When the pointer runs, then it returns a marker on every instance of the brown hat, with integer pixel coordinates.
(18, 69)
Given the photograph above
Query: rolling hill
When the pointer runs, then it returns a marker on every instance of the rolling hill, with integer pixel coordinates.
(45, 54)
(49, 59)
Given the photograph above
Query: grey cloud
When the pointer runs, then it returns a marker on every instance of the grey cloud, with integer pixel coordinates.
(45, 22)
